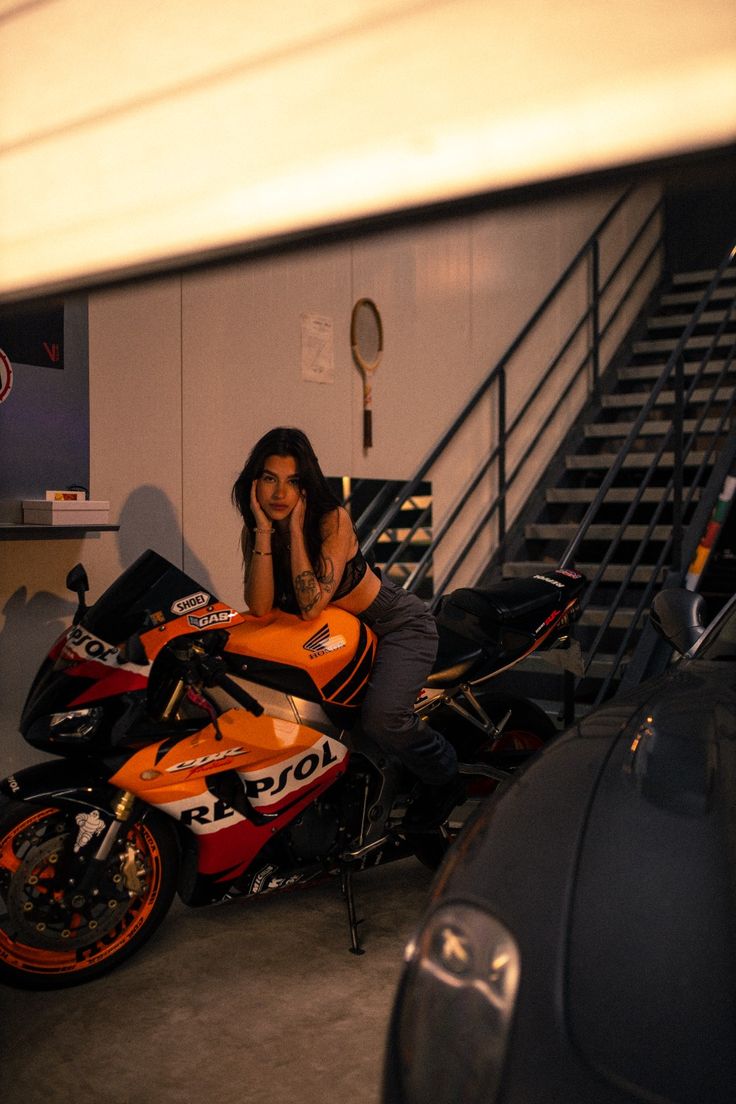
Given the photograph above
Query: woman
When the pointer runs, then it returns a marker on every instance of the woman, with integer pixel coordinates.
(301, 552)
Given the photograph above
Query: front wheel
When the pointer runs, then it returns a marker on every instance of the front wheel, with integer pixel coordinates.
(51, 938)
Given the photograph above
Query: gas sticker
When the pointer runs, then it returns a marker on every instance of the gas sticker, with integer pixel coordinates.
(218, 617)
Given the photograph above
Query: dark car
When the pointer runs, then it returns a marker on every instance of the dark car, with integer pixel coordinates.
(580, 942)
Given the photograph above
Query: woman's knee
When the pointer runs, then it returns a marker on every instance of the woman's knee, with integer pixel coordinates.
(382, 722)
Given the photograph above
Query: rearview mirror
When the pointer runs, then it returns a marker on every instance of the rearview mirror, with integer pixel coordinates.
(78, 583)
(679, 616)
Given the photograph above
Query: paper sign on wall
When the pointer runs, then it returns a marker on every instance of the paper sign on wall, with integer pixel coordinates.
(318, 362)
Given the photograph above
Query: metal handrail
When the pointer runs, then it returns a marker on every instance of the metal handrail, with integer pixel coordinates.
(369, 538)
(588, 252)
(682, 450)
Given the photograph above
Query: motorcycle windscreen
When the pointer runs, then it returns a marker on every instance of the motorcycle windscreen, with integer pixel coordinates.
(85, 665)
(151, 590)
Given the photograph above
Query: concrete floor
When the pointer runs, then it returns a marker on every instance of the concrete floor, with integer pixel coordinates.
(249, 1001)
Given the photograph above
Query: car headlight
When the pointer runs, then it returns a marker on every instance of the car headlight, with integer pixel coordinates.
(456, 1003)
(75, 726)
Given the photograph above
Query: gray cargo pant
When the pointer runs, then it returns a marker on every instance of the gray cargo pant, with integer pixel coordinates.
(407, 646)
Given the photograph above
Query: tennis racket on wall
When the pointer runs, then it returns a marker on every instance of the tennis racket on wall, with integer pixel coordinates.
(366, 341)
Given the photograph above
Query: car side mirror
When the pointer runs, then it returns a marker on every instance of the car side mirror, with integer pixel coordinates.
(679, 616)
(78, 583)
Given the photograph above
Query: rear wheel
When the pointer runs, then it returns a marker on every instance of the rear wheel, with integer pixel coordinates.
(526, 731)
(50, 937)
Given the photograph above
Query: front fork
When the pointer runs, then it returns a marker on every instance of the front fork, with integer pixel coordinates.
(122, 808)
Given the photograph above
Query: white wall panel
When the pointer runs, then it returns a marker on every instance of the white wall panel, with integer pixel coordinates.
(420, 279)
(242, 376)
(135, 421)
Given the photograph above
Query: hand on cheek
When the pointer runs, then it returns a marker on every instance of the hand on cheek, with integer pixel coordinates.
(296, 518)
(262, 519)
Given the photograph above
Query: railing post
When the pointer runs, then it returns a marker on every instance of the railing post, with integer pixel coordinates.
(501, 455)
(677, 463)
(595, 301)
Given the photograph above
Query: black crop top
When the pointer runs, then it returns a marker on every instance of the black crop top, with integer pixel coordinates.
(353, 572)
(285, 598)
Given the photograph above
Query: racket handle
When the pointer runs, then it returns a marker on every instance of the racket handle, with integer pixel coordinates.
(367, 429)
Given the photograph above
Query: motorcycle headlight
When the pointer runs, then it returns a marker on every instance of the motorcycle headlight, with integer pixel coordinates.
(75, 726)
(453, 1018)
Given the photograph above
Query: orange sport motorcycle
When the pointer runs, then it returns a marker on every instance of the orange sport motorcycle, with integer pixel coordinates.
(209, 752)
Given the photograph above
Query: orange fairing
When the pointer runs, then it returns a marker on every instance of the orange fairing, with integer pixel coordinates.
(336, 650)
(281, 766)
(216, 616)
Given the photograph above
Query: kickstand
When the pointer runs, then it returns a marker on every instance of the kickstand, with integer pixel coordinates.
(346, 884)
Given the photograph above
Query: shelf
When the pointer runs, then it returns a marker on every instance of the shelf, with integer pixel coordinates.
(10, 530)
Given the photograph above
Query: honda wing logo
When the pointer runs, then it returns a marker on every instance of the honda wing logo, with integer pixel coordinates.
(320, 643)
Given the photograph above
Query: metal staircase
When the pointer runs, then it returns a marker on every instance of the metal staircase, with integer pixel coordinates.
(634, 493)
(628, 492)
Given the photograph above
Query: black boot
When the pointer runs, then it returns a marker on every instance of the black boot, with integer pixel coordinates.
(432, 804)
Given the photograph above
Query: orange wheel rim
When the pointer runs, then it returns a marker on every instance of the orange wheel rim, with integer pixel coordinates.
(18, 953)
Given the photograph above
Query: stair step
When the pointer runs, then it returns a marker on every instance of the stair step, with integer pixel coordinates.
(565, 496)
(650, 372)
(395, 536)
(401, 571)
(595, 616)
(669, 321)
(540, 663)
(605, 460)
(665, 398)
(607, 430)
(680, 298)
(703, 276)
(600, 532)
(697, 341)
(614, 573)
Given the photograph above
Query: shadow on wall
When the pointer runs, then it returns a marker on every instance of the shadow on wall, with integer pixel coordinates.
(148, 520)
(31, 625)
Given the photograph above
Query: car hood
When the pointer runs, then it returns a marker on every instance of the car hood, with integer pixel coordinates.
(650, 971)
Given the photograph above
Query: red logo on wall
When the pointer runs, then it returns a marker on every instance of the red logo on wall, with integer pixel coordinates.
(6, 376)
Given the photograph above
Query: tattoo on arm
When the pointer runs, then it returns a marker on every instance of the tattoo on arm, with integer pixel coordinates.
(306, 588)
(327, 578)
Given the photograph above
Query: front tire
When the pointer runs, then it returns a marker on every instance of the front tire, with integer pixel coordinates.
(51, 941)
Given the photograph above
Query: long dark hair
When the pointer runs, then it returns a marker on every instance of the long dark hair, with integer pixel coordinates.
(287, 441)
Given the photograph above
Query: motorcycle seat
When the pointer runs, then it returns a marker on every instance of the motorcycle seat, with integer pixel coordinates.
(517, 603)
(456, 656)
(513, 600)
(485, 628)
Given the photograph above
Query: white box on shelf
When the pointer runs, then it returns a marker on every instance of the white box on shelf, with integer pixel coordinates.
(40, 511)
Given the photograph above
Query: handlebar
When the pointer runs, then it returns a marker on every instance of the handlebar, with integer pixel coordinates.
(214, 673)
(242, 697)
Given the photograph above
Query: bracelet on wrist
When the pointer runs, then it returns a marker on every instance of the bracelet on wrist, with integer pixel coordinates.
(257, 553)
(263, 529)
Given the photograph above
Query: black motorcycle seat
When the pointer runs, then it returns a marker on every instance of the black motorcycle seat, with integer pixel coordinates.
(509, 601)
(456, 655)
(491, 626)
